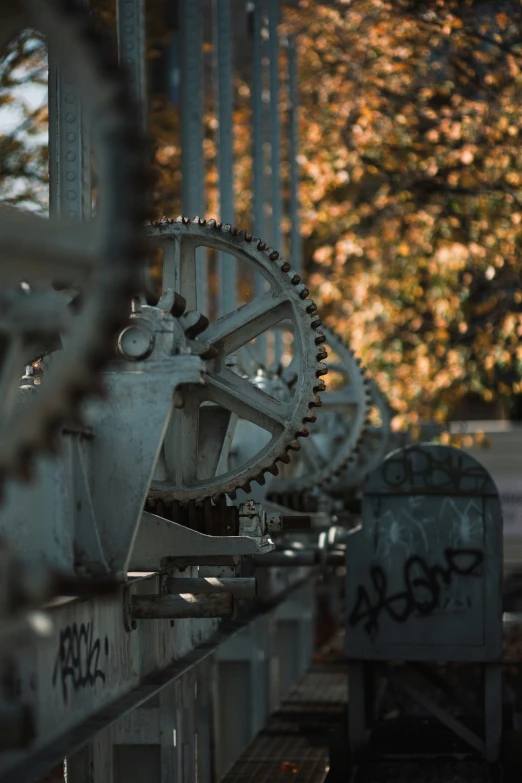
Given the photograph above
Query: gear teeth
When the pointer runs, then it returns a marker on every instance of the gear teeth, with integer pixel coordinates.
(185, 220)
(247, 488)
(319, 387)
(299, 294)
(202, 222)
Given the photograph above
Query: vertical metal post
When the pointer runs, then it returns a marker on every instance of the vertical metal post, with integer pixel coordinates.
(131, 49)
(227, 266)
(275, 144)
(192, 161)
(258, 186)
(69, 148)
(293, 147)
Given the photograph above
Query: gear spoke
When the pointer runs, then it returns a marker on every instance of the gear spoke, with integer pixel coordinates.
(247, 401)
(239, 327)
(35, 248)
(340, 401)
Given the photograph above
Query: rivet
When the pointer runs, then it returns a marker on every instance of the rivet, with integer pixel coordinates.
(70, 155)
(71, 176)
(72, 214)
(70, 117)
(71, 195)
(69, 98)
(70, 137)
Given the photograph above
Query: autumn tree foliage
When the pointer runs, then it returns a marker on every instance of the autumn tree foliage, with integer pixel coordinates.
(411, 186)
(24, 172)
(411, 191)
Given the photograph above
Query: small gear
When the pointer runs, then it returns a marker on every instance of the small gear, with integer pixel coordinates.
(340, 430)
(101, 258)
(193, 463)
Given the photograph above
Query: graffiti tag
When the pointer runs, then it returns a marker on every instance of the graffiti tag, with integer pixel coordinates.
(78, 659)
(423, 589)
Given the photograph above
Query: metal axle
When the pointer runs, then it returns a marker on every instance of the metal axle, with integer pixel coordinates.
(171, 607)
(298, 558)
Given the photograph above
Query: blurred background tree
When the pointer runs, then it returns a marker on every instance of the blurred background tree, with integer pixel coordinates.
(411, 186)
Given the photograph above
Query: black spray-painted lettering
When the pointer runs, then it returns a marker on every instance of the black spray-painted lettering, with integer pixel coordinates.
(422, 589)
(78, 658)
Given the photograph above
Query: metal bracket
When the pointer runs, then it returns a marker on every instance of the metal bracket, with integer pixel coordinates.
(161, 543)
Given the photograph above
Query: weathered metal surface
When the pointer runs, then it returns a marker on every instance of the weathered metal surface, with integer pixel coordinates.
(131, 50)
(90, 255)
(89, 662)
(424, 572)
(162, 607)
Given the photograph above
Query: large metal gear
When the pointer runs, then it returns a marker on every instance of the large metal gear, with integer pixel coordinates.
(335, 440)
(193, 465)
(375, 445)
(99, 258)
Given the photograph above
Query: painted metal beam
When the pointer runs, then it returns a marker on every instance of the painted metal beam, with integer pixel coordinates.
(227, 265)
(258, 167)
(192, 160)
(275, 147)
(131, 49)
(69, 147)
(296, 249)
